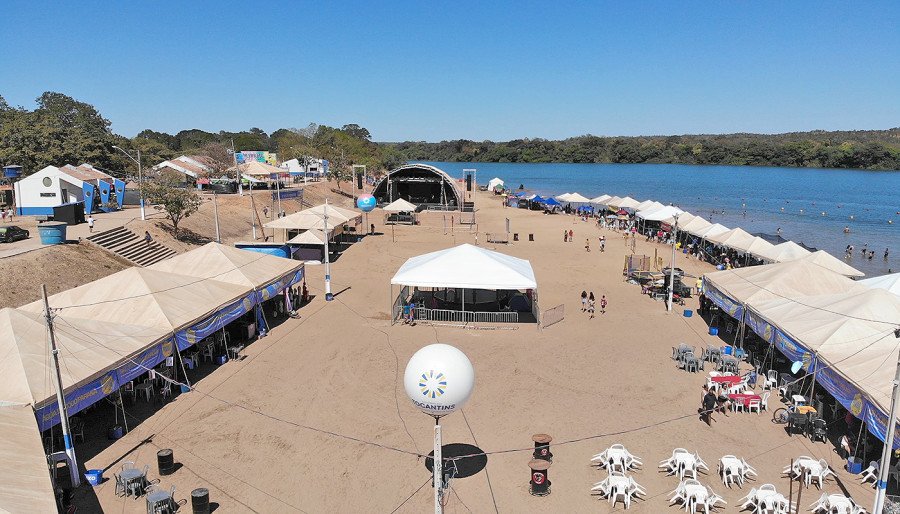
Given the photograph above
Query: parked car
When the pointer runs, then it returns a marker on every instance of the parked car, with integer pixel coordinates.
(12, 233)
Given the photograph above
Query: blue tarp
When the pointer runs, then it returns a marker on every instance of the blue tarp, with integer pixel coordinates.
(551, 202)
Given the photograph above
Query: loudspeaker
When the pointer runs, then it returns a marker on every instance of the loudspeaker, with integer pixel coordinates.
(468, 182)
(359, 181)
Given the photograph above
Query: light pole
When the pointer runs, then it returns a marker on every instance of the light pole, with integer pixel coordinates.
(328, 295)
(140, 177)
(672, 266)
(884, 468)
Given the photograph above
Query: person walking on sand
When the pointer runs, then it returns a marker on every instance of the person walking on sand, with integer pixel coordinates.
(602, 244)
(90, 221)
(147, 237)
(591, 304)
(587, 245)
(571, 236)
(583, 301)
(603, 304)
(707, 405)
(565, 236)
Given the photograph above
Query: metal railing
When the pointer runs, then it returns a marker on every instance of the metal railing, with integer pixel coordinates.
(451, 316)
(493, 237)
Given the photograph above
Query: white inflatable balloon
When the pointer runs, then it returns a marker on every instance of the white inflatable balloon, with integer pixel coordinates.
(439, 379)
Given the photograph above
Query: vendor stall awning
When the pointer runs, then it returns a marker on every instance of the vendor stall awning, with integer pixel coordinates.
(830, 262)
(787, 251)
(695, 225)
(309, 237)
(600, 200)
(577, 198)
(736, 238)
(712, 230)
(228, 264)
(659, 213)
(466, 266)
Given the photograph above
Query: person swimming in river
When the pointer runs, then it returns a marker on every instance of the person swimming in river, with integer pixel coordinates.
(846, 230)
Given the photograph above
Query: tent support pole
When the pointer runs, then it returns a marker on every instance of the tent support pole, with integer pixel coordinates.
(881, 484)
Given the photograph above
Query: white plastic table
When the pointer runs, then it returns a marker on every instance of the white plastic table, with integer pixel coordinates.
(799, 400)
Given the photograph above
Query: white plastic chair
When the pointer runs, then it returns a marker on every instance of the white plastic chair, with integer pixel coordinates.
(870, 473)
(764, 400)
(754, 405)
(771, 379)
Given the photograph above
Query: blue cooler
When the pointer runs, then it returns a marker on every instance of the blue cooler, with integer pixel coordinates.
(688, 313)
(221, 359)
(94, 476)
(713, 331)
(854, 465)
(726, 350)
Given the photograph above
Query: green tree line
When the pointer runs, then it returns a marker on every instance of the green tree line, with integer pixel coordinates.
(63, 130)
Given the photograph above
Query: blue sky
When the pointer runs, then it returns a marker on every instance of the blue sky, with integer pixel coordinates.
(475, 70)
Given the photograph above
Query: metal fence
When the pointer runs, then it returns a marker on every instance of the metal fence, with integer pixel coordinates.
(494, 237)
(451, 316)
(553, 315)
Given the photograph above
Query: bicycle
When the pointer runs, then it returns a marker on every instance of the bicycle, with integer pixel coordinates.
(783, 414)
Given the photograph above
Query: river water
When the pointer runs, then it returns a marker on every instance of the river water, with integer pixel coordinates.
(811, 206)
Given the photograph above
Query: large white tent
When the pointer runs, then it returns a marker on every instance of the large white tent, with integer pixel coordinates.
(626, 203)
(24, 479)
(693, 226)
(787, 251)
(314, 219)
(760, 248)
(468, 267)
(660, 213)
(494, 183)
(890, 283)
(229, 264)
(577, 198)
(648, 205)
(736, 238)
(600, 200)
(830, 262)
(710, 231)
(309, 237)
(399, 205)
(683, 219)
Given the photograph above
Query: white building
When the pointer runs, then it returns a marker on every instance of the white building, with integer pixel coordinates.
(38, 193)
(193, 168)
(315, 169)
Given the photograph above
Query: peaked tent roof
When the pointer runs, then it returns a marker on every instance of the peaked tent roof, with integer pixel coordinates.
(309, 237)
(613, 202)
(144, 297)
(696, 224)
(712, 230)
(627, 203)
(494, 182)
(787, 251)
(87, 349)
(683, 219)
(466, 266)
(783, 280)
(736, 238)
(760, 248)
(890, 283)
(259, 169)
(399, 205)
(563, 197)
(830, 262)
(660, 213)
(649, 205)
(24, 479)
(577, 198)
(229, 264)
(313, 218)
(600, 200)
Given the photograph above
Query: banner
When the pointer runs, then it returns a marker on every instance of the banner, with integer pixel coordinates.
(731, 307)
(139, 364)
(78, 400)
(758, 324)
(88, 191)
(120, 192)
(191, 335)
(105, 190)
(290, 193)
(275, 288)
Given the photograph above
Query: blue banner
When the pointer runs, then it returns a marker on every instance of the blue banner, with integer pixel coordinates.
(77, 400)
(275, 288)
(105, 190)
(731, 307)
(144, 361)
(88, 192)
(120, 192)
(758, 324)
(285, 195)
(190, 336)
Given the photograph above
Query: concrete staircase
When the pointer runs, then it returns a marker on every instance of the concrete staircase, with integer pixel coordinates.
(125, 243)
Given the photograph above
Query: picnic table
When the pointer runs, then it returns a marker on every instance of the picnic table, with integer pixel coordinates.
(744, 398)
(726, 379)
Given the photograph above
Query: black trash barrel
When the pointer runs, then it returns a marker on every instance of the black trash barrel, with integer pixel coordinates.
(516, 236)
(200, 501)
(539, 483)
(166, 462)
(542, 447)
(531, 237)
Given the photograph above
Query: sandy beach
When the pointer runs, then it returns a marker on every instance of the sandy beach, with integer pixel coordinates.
(315, 419)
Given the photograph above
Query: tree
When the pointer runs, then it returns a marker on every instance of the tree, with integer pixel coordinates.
(177, 203)
(354, 130)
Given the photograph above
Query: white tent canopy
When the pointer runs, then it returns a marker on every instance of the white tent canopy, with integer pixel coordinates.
(493, 183)
(736, 238)
(659, 214)
(696, 224)
(683, 219)
(600, 200)
(400, 205)
(563, 197)
(760, 248)
(830, 262)
(309, 237)
(468, 267)
(314, 218)
(648, 205)
(229, 264)
(577, 198)
(24, 479)
(626, 203)
(890, 283)
(710, 231)
(787, 251)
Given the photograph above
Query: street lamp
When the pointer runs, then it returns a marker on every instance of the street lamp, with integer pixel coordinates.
(140, 177)
(672, 266)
